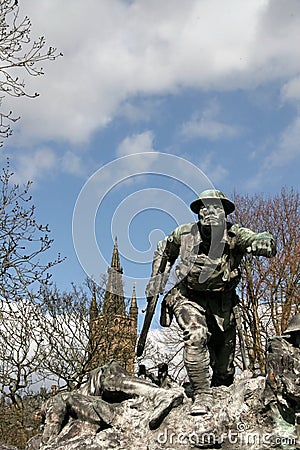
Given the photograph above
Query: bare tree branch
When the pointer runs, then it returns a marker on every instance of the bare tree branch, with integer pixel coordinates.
(23, 241)
(18, 57)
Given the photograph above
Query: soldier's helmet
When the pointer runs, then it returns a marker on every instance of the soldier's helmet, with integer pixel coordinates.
(293, 325)
(212, 194)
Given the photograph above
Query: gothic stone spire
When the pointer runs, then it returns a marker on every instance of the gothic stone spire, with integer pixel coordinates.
(114, 296)
(133, 310)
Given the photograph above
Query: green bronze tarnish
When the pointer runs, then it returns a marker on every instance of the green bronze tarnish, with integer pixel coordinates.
(207, 254)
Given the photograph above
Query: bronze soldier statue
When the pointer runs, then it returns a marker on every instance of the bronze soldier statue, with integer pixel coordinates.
(202, 300)
(97, 400)
(283, 372)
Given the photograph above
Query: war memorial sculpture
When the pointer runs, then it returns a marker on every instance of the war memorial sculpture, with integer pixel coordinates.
(204, 297)
(115, 410)
(259, 413)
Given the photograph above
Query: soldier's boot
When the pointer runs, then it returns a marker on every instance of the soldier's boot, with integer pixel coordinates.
(202, 404)
(196, 360)
(164, 401)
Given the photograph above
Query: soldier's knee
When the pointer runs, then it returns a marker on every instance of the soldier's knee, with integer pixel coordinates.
(196, 335)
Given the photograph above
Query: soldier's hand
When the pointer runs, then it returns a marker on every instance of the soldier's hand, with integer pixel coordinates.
(153, 286)
(264, 245)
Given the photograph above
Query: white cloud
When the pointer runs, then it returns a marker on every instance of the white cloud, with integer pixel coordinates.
(214, 170)
(142, 111)
(289, 147)
(137, 143)
(205, 124)
(275, 53)
(115, 50)
(291, 90)
(73, 164)
(32, 166)
(209, 129)
(43, 161)
(286, 152)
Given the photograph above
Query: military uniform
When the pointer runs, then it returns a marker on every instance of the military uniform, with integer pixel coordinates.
(203, 298)
(283, 371)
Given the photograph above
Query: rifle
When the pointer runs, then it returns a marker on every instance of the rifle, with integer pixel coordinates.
(238, 318)
(151, 303)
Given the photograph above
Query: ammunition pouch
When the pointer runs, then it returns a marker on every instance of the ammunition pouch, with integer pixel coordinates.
(207, 274)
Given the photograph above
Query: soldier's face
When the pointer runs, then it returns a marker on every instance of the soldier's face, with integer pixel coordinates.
(212, 214)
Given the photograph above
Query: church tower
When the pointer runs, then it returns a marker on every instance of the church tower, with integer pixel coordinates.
(113, 330)
(114, 302)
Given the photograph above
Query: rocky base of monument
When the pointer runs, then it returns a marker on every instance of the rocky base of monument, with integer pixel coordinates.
(7, 447)
(241, 418)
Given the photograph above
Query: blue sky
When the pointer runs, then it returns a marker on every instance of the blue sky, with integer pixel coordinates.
(214, 85)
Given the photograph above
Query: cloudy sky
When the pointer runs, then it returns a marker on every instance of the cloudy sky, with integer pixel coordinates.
(152, 102)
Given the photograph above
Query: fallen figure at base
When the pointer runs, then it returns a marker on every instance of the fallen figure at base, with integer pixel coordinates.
(97, 401)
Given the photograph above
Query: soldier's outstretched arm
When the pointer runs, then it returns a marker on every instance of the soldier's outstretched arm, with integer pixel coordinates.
(259, 244)
(264, 244)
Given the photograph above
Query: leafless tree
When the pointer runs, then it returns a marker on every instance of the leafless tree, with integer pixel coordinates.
(41, 343)
(65, 326)
(165, 346)
(17, 426)
(269, 290)
(21, 356)
(51, 341)
(20, 349)
(23, 242)
(19, 57)
(23, 277)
